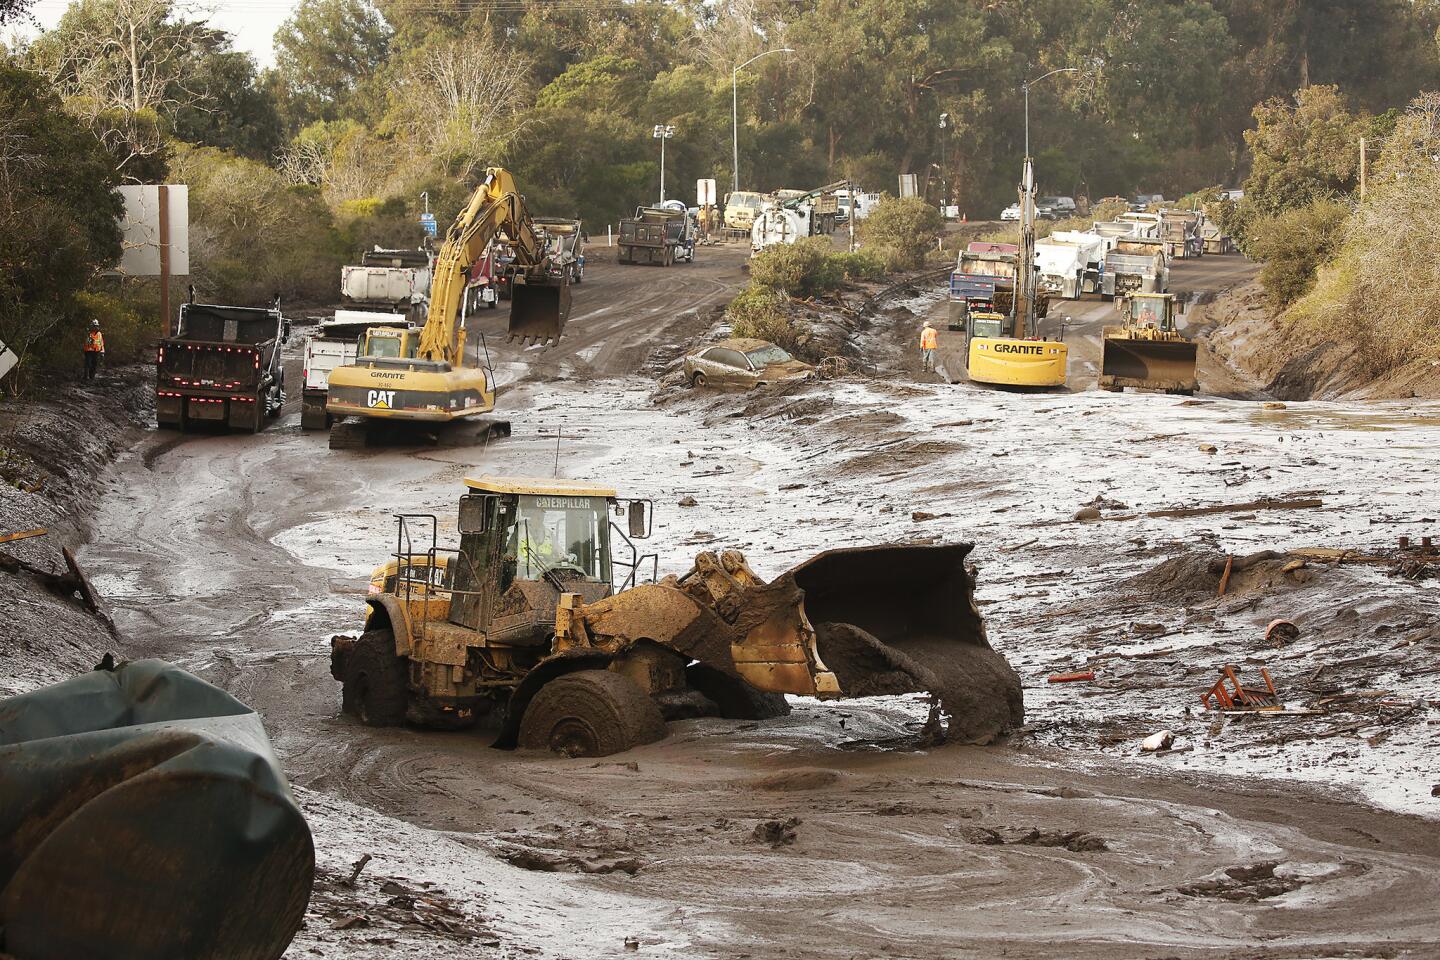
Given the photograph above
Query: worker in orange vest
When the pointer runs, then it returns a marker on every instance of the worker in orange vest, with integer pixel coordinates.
(929, 338)
(94, 350)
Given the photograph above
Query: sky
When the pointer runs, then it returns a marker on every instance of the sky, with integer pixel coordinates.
(252, 22)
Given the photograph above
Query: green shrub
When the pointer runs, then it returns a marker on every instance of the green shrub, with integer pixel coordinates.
(809, 268)
(901, 232)
(796, 269)
(759, 312)
(1293, 245)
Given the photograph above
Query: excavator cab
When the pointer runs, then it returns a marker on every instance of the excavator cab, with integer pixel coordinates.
(389, 343)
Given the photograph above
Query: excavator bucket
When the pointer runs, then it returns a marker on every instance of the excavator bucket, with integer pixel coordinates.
(1153, 364)
(144, 817)
(538, 311)
(902, 619)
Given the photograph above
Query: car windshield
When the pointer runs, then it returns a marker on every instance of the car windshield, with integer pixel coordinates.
(560, 533)
(761, 356)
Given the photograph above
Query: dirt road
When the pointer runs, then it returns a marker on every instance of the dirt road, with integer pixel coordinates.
(240, 556)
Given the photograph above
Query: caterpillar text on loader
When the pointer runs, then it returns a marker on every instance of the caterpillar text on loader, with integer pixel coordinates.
(1007, 349)
(1146, 350)
(540, 615)
(424, 377)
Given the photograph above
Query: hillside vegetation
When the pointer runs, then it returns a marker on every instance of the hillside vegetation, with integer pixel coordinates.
(375, 111)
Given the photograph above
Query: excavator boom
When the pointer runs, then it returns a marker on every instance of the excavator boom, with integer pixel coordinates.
(541, 304)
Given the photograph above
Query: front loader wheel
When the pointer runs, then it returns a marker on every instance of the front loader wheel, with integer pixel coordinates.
(375, 685)
(736, 699)
(590, 713)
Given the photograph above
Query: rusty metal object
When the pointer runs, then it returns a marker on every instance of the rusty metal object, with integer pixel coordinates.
(22, 535)
(145, 818)
(1225, 577)
(1239, 697)
(1071, 677)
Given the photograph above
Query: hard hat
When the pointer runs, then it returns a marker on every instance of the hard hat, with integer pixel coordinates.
(95, 323)
(927, 323)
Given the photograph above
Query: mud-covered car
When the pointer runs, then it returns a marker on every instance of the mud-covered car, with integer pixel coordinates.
(743, 362)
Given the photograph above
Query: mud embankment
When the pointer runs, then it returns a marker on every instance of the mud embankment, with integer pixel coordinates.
(1295, 364)
(54, 447)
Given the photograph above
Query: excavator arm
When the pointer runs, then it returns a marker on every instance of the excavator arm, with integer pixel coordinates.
(496, 211)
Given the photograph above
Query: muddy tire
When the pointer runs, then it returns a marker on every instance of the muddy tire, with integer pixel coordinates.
(590, 713)
(736, 699)
(375, 685)
(697, 381)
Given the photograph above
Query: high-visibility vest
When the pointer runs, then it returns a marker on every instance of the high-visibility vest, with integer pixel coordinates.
(928, 338)
(95, 342)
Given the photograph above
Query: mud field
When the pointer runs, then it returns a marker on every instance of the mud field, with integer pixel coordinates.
(840, 831)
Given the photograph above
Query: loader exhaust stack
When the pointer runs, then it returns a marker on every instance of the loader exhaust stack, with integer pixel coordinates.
(538, 311)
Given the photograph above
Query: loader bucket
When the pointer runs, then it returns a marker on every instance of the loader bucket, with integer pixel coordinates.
(902, 619)
(1153, 364)
(538, 311)
(145, 818)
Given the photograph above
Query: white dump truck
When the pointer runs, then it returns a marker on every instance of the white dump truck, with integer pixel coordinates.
(1070, 263)
(1136, 265)
(394, 280)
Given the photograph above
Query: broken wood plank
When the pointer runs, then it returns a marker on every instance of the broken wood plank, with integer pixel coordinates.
(1308, 503)
(23, 535)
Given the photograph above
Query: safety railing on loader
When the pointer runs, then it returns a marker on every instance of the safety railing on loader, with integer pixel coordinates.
(637, 513)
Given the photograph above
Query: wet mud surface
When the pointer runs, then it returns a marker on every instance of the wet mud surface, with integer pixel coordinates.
(841, 830)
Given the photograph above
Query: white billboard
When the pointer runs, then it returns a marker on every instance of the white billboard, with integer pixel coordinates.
(140, 256)
(704, 193)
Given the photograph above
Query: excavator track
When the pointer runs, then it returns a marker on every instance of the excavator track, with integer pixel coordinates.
(349, 433)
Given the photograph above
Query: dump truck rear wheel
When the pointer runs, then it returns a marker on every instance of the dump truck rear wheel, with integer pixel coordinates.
(590, 713)
(736, 699)
(375, 687)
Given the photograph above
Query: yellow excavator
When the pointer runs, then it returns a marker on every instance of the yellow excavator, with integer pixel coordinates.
(403, 376)
(1147, 350)
(1007, 350)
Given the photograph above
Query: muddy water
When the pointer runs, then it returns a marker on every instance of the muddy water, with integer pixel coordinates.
(242, 555)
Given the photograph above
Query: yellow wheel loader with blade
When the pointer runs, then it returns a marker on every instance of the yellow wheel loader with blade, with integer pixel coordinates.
(541, 615)
(424, 377)
(1147, 350)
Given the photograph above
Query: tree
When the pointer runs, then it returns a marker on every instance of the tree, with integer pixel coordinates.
(902, 231)
(252, 234)
(229, 108)
(329, 55)
(1305, 150)
(59, 219)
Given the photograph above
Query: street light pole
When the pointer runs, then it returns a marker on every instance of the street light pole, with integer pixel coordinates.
(735, 114)
(1026, 87)
(663, 132)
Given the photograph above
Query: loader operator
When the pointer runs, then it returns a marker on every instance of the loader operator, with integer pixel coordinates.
(94, 350)
(929, 338)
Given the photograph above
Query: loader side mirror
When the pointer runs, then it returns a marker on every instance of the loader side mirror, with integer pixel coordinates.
(474, 514)
(639, 522)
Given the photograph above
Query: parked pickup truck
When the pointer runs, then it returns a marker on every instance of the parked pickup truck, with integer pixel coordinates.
(334, 346)
(222, 365)
(653, 235)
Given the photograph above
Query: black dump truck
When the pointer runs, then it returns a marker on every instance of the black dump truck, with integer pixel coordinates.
(222, 366)
(654, 235)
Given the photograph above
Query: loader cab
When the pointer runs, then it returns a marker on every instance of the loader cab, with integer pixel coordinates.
(1152, 311)
(554, 533)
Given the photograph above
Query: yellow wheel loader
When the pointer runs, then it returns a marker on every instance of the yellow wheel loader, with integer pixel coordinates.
(1146, 350)
(425, 377)
(542, 616)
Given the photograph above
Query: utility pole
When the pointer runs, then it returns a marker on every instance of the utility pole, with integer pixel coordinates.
(1362, 168)
(663, 132)
(735, 114)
